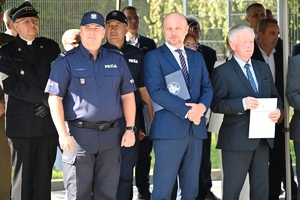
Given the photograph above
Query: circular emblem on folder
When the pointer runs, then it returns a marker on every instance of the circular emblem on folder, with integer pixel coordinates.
(173, 88)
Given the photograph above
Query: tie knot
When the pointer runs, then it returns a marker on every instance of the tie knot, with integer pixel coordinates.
(178, 51)
(247, 65)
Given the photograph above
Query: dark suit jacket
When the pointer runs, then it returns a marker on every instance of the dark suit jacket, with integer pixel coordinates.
(170, 122)
(230, 87)
(296, 49)
(209, 55)
(4, 38)
(146, 44)
(28, 75)
(278, 58)
(293, 95)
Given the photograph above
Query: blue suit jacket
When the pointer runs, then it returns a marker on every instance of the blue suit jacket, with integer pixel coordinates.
(231, 86)
(170, 122)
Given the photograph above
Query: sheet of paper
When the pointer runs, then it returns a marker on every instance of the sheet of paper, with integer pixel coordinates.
(260, 124)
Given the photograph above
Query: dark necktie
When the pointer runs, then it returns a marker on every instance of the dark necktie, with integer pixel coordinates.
(251, 80)
(183, 65)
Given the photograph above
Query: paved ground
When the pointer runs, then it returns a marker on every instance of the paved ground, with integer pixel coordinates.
(216, 189)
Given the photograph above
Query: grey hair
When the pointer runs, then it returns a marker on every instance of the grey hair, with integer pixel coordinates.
(236, 29)
(6, 17)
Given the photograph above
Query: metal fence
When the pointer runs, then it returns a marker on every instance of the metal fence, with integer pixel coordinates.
(56, 16)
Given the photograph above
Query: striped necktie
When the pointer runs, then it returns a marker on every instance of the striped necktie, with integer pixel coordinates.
(251, 79)
(183, 65)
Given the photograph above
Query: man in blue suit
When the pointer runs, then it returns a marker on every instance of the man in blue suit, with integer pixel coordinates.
(235, 96)
(177, 130)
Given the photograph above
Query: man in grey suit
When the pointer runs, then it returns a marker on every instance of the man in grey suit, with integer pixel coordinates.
(293, 97)
(235, 95)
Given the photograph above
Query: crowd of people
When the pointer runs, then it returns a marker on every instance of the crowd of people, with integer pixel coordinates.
(81, 109)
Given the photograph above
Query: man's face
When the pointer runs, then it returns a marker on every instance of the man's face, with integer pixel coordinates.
(115, 32)
(92, 35)
(175, 28)
(133, 18)
(254, 15)
(270, 37)
(27, 27)
(243, 45)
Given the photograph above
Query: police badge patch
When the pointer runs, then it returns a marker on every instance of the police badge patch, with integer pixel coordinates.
(82, 81)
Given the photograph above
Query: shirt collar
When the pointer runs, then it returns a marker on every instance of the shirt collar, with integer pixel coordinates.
(86, 53)
(172, 49)
(242, 63)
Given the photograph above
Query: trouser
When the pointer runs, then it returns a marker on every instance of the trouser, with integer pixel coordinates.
(205, 182)
(92, 169)
(5, 163)
(142, 168)
(128, 161)
(33, 155)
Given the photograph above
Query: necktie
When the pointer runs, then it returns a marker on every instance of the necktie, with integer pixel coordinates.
(251, 80)
(183, 65)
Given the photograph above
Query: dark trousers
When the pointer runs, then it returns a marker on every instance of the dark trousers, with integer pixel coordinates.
(205, 182)
(236, 164)
(277, 165)
(129, 157)
(142, 168)
(297, 152)
(37, 154)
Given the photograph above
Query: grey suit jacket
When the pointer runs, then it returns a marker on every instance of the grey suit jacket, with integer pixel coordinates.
(230, 87)
(293, 95)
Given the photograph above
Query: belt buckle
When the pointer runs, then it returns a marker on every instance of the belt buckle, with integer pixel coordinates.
(102, 126)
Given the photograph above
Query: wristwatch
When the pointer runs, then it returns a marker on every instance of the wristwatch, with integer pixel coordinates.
(131, 128)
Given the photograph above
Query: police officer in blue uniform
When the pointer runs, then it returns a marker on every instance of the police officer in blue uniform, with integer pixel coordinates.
(116, 28)
(27, 63)
(91, 88)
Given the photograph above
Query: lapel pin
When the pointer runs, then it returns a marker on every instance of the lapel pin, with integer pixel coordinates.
(22, 72)
(82, 81)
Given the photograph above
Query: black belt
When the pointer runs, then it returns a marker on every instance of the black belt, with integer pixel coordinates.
(98, 126)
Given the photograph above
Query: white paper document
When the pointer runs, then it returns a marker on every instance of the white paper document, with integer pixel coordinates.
(260, 124)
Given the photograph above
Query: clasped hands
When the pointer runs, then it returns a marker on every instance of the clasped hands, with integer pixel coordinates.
(42, 109)
(274, 116)
(196, 112)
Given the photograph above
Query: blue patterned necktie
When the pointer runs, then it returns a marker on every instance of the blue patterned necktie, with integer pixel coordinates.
(251, 79)
(183, 65)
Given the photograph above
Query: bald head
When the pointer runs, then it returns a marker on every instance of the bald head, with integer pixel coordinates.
(175, 28)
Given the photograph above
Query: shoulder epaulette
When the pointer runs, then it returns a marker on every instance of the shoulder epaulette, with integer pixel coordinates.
(116, 51)
(65, 53)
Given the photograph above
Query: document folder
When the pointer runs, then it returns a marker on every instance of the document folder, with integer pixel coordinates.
(176, 85)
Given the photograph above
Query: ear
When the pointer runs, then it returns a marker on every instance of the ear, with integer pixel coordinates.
(232, 46)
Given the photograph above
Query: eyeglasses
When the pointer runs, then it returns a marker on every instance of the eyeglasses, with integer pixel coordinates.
(29, 21)
(188, 45)
(194, 28)
(73, 43)
(134, 18)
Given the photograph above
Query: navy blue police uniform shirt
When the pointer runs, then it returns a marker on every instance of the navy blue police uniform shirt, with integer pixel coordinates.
(90, 88)
(134, 58)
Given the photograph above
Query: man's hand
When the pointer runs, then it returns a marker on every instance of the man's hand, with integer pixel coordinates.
(2, 108)
(128, 139)
(142, 135)
(196, 112)
(41, 111)
(66, 142)
(274, 115)
(251, 103)
(280, 118)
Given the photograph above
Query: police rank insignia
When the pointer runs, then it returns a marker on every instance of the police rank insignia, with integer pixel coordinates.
(22, 72)
(82, 81)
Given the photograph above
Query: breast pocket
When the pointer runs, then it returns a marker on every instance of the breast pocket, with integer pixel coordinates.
(112, 78)
(82, 80)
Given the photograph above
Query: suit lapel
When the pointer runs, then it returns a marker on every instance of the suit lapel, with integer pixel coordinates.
(170, 57)
(190, 66)
(242, 76)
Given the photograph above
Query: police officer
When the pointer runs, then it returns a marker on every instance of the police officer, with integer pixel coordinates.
(88, 87)
(27, 63)
(116, 28)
